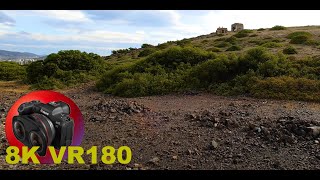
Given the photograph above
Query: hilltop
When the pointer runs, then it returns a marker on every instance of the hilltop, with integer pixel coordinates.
(274, 40)
(12, 55)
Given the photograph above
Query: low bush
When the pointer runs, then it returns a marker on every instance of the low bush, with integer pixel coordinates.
(299, 33)
(271, 45)
(299, 39)
(277, 28)
(214, 49)
(243, 33)
(290, 50)
(146, 52)
(234, 48)
(223, 44)
(261, 29)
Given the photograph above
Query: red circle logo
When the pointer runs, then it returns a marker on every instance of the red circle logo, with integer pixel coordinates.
(45, 97)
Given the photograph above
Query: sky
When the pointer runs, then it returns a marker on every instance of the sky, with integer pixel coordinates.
(101, 31)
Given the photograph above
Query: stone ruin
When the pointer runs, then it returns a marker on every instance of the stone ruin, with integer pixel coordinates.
(221, 30)
(236, 27)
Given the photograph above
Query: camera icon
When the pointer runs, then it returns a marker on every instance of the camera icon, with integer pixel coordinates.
(44, 125)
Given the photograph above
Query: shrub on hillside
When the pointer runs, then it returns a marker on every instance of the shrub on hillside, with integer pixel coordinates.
(214, 49)
(66, 67)
(299, 33)
(231, 40)
(290, 50)
(146, 46)
(10, 71)
(277, 27)
(271, 45)
(261, 29)
(285, 87)
(300, 39)
(243, 33)
(234, 48)
(147, 52)
(220, 39)
(253, 35)
(184, 42)
(222, 44)
(172, 57)
(205, 41)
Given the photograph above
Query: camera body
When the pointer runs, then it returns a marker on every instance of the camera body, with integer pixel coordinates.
(44, 125)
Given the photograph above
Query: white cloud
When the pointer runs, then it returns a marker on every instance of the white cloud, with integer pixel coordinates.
(58, 46)
(65, 15)
(100, 36)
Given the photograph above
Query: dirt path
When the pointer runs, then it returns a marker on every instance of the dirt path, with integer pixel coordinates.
(199, 131)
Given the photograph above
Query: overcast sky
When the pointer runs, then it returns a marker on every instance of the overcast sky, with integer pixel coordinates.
(45, 32)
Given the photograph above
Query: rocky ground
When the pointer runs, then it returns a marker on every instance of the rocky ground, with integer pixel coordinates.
(192, 131)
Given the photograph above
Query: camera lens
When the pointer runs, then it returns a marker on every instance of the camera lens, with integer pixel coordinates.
(36, 140)
(48, 127)
(19, 130)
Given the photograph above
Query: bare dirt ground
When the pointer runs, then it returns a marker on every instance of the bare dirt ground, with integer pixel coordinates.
(192, 131)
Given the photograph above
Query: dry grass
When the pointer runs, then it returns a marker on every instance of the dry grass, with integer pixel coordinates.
(13, 86)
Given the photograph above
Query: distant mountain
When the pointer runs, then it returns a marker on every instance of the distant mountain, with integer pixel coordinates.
(12, 55)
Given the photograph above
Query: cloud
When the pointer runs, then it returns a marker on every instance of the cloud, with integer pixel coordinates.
(6, 20)
(64, 15)
(135, 18)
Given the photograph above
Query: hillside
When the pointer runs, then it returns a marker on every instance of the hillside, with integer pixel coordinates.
(275, 63)
(5, 55)
(274, 40)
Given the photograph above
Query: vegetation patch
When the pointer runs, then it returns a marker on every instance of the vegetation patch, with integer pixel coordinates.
(65, 68)
(243, 33)
(234, 48)
(271, 45)
(277, 28)
(290, 50)
(10, 71)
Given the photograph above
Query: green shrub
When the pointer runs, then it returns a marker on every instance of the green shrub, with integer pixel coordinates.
(184, 42)
(252, 58)
(277, 27)
(220, 39)
(271, 45)
(10, 71)
(172, 57)
(290, 50)
(243, 33)
(147, 52)
(223, 44)
(284, 87)
(231, 40)
(234, 48)
(214, 71)
(65, 67)
(214, 49)
(256, 41)
(312, 42)
(276, 40)
(163, 46)
(299, 33)
(205, 41)
(146, 46)
(261, 29)
(300, 39)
